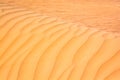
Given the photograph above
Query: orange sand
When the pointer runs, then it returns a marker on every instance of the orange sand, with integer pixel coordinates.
(37, 47)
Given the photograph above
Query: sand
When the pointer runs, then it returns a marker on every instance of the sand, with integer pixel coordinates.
(45, 45)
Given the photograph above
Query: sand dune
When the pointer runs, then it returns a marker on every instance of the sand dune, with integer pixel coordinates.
(38, 47)
(101, 14)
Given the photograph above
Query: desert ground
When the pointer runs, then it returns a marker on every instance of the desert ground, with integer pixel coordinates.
(59, 40)
(102, 14)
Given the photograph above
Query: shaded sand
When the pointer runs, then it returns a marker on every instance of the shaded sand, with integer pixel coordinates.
(37, 47)
(102, 14)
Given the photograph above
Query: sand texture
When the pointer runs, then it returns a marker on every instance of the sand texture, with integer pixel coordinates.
(38, 47)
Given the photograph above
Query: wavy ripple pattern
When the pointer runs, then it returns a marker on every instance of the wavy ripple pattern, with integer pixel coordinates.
(37, 47)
